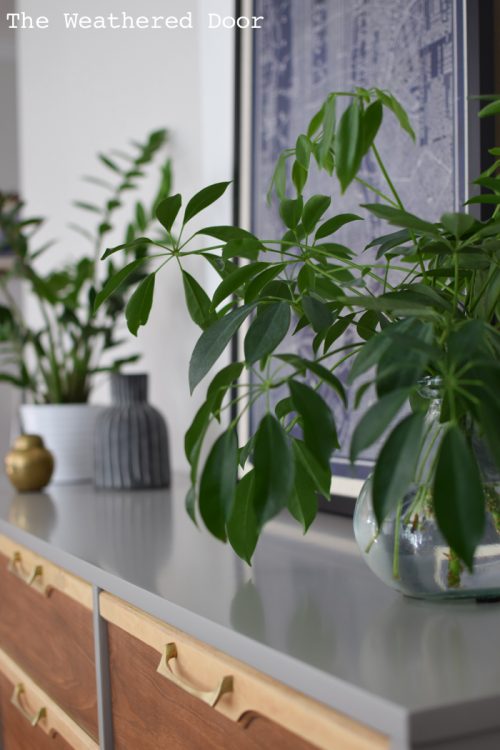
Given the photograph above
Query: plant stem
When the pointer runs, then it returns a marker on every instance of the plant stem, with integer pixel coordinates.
(397, 524)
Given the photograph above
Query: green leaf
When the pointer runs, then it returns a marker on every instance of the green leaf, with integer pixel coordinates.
(320, 435)
(457, 224)
(195, 434)
(314, 210)
(87, 206)
(458, 496)
(190, 504)
(242, 532)
(104, 228)
(291, 211)
(317, 313)
(367, 324)
(284, 407)
(212, 343)
(278, 179)
(323, 373)
(389, 101)
(204, 198)
(401, 218)
(274, 470)
(197, 300)
(246, 247)
(218, 484)
(306, 279)
(493, 199)
(316, 122)
(396, 465)
(299, 177)
(332, 225)
(371, 122)
(376, 420)
(140, 216)
(328, 118)
(110, 164)
(303, 503)
(303, 151)
(320, 474)
(221, 383)
(227, 233)
(267, 330)
(126, 245)
(336, 330)
(167, 210)
(235, 280)
(116, 280)
(259, 283)
(139, 305)
(348, 145)
(493, 108)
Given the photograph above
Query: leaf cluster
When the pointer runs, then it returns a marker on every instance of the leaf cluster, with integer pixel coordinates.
(437, 322)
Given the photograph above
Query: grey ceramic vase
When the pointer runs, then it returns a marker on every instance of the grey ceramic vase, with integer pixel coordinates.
(131, 440)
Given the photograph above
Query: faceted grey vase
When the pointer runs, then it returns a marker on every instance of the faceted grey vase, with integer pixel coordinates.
(131, 440)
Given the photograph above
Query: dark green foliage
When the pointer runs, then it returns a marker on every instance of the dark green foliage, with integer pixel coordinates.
(440, 320)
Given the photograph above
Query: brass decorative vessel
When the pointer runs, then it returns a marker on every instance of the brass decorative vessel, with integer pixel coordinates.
(29, 465)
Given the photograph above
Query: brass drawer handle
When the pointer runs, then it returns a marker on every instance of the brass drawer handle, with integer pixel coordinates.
(16, 701)
(32, 578)
(210, 697)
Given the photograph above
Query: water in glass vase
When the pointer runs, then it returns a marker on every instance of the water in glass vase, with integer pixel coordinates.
(409, 552)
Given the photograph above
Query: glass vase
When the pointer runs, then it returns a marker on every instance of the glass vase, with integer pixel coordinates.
(409, 552)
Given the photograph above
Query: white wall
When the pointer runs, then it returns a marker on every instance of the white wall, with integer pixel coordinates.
(8, 183)
(86, 91)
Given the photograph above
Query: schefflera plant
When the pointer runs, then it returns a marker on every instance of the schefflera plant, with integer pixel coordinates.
(306, 278)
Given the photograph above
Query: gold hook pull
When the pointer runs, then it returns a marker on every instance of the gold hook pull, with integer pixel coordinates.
(16, 701)
(211, 697)
(32, 578)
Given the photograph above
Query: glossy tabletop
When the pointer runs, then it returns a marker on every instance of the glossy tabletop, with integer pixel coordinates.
(308, 612)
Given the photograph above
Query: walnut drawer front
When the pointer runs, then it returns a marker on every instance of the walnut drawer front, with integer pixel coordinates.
(46, 626)
(29, 719)
(162, 681)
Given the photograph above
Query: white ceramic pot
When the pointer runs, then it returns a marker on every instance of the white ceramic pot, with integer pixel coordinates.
(68, 431)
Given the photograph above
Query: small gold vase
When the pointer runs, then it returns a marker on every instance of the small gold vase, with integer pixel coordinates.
(29, 465)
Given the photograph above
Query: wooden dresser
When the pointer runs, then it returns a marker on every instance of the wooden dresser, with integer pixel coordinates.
(123, 626)
(166, 689)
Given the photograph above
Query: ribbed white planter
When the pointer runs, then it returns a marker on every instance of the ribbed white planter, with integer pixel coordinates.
(68, 431)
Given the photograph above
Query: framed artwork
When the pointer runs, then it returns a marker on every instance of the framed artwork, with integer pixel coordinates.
(426, 53)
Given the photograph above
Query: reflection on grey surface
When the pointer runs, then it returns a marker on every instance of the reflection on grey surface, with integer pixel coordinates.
(134, 533)
(451, 649)
(33, 512)
(311, 598)
(247, 612)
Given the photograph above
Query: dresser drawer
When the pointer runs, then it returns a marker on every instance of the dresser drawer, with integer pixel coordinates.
(162, 682)
(46, 625)
(29, 719)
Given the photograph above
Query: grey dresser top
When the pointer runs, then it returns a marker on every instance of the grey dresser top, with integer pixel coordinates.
(308, 612)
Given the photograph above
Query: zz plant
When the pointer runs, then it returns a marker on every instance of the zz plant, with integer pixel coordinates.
(58, 361)
(440, 318)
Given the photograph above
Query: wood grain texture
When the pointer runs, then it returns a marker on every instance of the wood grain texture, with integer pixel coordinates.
(51, 637)
(52, 577)
(17, 733)
(203, 667)
(56, 731)
(151, 713)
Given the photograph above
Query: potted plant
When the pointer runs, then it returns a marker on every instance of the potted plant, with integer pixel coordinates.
(426, 333)
(56, 363)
